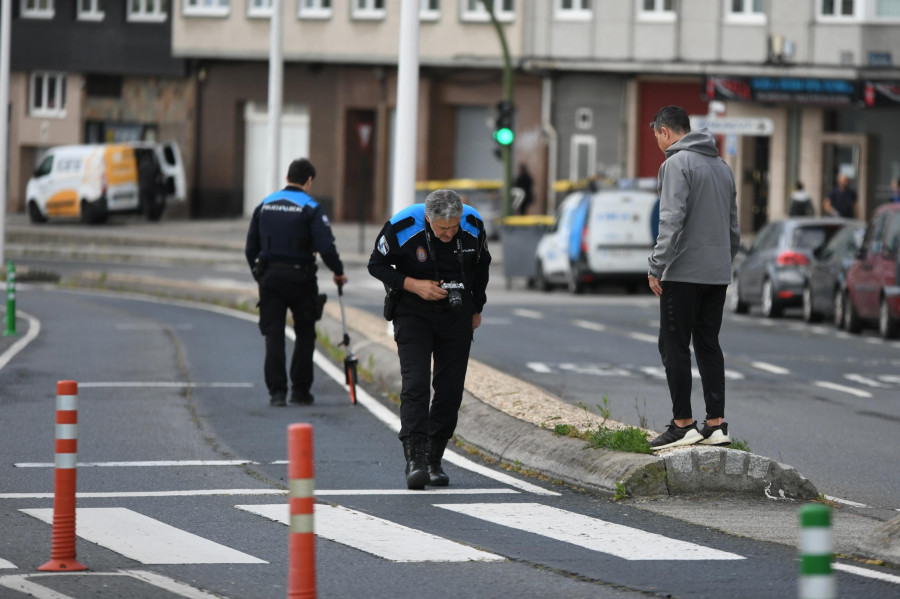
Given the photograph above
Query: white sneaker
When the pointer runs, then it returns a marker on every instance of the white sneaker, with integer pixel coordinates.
(715, 435)
(677, 436)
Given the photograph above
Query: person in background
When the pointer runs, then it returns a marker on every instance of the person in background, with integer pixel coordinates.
(690, 269)
(801, 203)
(841, 201)
(525, 183)
(895, 191)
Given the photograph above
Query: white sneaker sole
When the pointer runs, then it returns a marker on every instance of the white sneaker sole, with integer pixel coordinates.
(692, 437)
(717, 438)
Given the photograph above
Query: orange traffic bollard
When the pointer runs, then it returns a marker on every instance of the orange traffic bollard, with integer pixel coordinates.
(62, 547)
(302, 541)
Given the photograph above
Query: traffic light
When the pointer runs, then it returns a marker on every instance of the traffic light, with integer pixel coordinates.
(503, 123)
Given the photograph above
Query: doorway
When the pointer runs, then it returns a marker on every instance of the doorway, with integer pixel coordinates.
(359, 188)
(846, 154)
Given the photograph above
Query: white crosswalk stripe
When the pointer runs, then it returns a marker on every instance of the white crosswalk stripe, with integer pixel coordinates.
(591, 533)
(379, 537)
(146, 540)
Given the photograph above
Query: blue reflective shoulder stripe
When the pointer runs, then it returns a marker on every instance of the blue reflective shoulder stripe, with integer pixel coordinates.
(464, 222)
(295, 197)
(417, 212)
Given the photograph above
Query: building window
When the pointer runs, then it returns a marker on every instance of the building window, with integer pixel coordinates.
(368, 9)
(583, 160)
(206, 8)
(47, 95)
(153, 11)
(656, 10)
(475, 11)
(91, 10)
(37, 9)
(744, 11)
(838, 9)
(314, 9)
(429, 10)
(887, 8)
(259, 8)
(573, 10)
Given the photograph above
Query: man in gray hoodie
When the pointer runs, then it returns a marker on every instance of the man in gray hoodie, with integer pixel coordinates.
(690, 269)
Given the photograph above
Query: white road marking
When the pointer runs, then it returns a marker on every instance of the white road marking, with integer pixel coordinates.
(591, 533)
(644, 337)
(770, 368)
(595, 369)
(866, 572)
(591, 326)
(660, 373)
(429, 491)
(842, 388)
(527, 313)
(226, 492)
(21, 583)
(137, 326)
(6, 565)
(845, 501)
(228, 284)
(890, 378)
(148, 541)
(379, 537)
(34, 328)
(864, 380)
(392, 421)
(140, 464)
(539, 367)
(163, 384)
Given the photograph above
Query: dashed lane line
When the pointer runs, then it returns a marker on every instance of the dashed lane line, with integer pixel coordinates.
(644, 337)
(22, 583)
(252, 492)
(591, 326)
(770, 368)
(842, 389)
(533, 314)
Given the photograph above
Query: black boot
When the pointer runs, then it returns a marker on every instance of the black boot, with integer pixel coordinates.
(416, 449)
(436, 475)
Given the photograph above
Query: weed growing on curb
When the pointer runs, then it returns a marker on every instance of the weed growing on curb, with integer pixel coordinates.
(740, 445)
(629, 439)
(621, 493)
(604, 410)
(566, 430)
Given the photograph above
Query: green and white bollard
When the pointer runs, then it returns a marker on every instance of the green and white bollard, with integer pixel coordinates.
(816, 578)
(10, 299)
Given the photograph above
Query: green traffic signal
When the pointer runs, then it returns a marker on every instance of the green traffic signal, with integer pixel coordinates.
(504, 136)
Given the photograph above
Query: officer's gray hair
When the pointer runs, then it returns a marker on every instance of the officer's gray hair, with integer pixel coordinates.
(443, 204)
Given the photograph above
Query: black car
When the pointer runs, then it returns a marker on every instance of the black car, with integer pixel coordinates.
(774, 269)
(823, 294)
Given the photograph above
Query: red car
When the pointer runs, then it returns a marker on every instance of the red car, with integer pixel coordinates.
(873, 282)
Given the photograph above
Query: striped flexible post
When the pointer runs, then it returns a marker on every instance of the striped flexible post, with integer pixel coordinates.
(816, 578)
(302, 541)
(62, 547)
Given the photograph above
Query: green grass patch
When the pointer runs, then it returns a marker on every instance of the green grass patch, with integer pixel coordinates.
(566, 430)
(740, 445)
(629, 439)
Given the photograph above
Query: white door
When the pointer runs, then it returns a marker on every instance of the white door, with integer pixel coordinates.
(294, 144)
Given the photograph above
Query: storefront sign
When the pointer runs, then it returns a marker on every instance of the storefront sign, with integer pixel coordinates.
(783, 90)
(881, 93)
(724, 125)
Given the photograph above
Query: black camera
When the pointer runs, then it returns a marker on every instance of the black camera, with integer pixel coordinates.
(454, 296)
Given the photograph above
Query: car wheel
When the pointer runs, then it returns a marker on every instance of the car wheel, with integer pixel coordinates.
(809, 311)
(738, 306)
(851, 318)
(770, 307)
(34, 213)
(540, 280)
(838, 316)
(888, 327)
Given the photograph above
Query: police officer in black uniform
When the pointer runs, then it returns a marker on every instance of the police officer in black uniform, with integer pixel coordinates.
(286, 231)
(433, 259)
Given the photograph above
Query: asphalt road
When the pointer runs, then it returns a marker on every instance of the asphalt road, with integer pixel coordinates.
(170, 396)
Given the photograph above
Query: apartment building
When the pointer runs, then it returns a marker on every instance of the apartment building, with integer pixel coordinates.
(823, 71)
(92, 71)
(340, 71)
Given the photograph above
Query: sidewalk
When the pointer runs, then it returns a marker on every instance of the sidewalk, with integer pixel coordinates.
(502, 417)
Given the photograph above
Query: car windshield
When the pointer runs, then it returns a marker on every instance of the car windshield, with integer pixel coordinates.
(811, 237)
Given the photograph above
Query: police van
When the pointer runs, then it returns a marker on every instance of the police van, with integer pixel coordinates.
(90, 182)
(598, 236)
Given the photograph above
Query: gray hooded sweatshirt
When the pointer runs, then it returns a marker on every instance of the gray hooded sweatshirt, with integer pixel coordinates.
(698, 225)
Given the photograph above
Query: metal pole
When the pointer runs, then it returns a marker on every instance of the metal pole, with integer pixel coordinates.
(276, 90)
(506, 151)
(10, 300)
(404, 175)
(5, 33)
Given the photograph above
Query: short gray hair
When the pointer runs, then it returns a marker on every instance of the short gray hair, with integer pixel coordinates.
(443, 204)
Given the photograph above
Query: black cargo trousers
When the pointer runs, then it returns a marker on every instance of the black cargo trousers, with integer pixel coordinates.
(283, 287)
(420, 334)
(692, 312)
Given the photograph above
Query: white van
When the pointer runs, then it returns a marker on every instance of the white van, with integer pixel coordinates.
(599, 236)
(92, 181)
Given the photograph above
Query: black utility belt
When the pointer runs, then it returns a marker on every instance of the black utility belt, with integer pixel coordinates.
(291, 266)
(439, 306)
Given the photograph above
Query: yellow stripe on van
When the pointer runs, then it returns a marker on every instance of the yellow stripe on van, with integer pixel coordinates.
(121, 165)
(63, 203)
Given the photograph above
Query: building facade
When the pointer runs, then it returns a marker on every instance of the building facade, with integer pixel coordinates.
(92, 71)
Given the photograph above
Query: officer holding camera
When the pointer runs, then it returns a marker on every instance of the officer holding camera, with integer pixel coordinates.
(286, 230)
(433, 260)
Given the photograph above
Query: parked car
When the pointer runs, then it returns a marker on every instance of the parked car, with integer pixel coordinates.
(94, 180)
(598, 236)
(773, 270)
(826, 283)
(873, 281)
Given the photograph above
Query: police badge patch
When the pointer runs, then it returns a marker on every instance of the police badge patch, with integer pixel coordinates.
(325, 220)
(383, 246)
(421, 254)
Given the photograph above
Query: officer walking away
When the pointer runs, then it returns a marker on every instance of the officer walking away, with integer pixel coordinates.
(286, 231)
(690, 269)
(433, 260)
